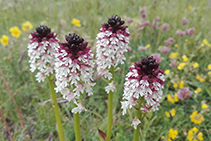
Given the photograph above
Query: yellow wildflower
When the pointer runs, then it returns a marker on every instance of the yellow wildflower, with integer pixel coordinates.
(209, 73)
(167, 72)
(201, 79)
(76, 22)
(173, 112)
(196, 117)
(195, 129)
(175, 85)
(204, 106)
(209, 66)
(169, 98)
(176, 97)
(167, 114)
(148, 46)
(205, 41)
(209, 45)
(181, 66)
(173, 55)
(190, 7)
(197, 90)
(185, 58)
(193, 136)
(200, 136)
(195, 65)
(27, 26)
(176, 45)
(172, 134)
(181, 84)
(15, 31)
(4, 40)
(159, 47)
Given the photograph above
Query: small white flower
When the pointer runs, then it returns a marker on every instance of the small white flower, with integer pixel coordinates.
(65, 91)
(78, 109)
(70, 97)
(110, 87)
(40, 77)
(124, 106)
(135, 123)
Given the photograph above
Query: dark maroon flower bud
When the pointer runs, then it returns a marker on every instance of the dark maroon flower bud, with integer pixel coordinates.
(42, 32)
(75, 45)
(115, 23)
(147, 65)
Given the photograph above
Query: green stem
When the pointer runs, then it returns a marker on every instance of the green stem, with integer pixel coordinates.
(77, 125)
(110, 107)
(138, 116)
(136, 133)
(56, 110)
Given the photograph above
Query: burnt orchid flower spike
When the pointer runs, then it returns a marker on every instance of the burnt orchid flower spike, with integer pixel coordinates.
(76, 72)
(144, 81)
(41, 49)
(112, 43)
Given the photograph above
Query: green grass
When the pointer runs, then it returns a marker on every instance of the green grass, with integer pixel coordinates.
(40, 121)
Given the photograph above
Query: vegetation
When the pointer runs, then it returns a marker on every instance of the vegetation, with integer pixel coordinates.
(189, 56)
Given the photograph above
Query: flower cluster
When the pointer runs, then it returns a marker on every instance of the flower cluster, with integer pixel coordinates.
(172, 134)
(197, 118)
(112, 42)
(172, 99)
(144, 81)
(15, 32)
(74, 69)
(193, 136)
(172, 112)
(41, 49)
(184, 93)
(186, 32)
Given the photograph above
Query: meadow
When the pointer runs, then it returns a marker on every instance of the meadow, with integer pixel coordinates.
(176, 33)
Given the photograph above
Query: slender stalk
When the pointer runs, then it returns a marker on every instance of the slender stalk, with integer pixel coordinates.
(110, 107)
(56, 110)
(138, 116)
(136, 133)
(5, 123)
(77, 126)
